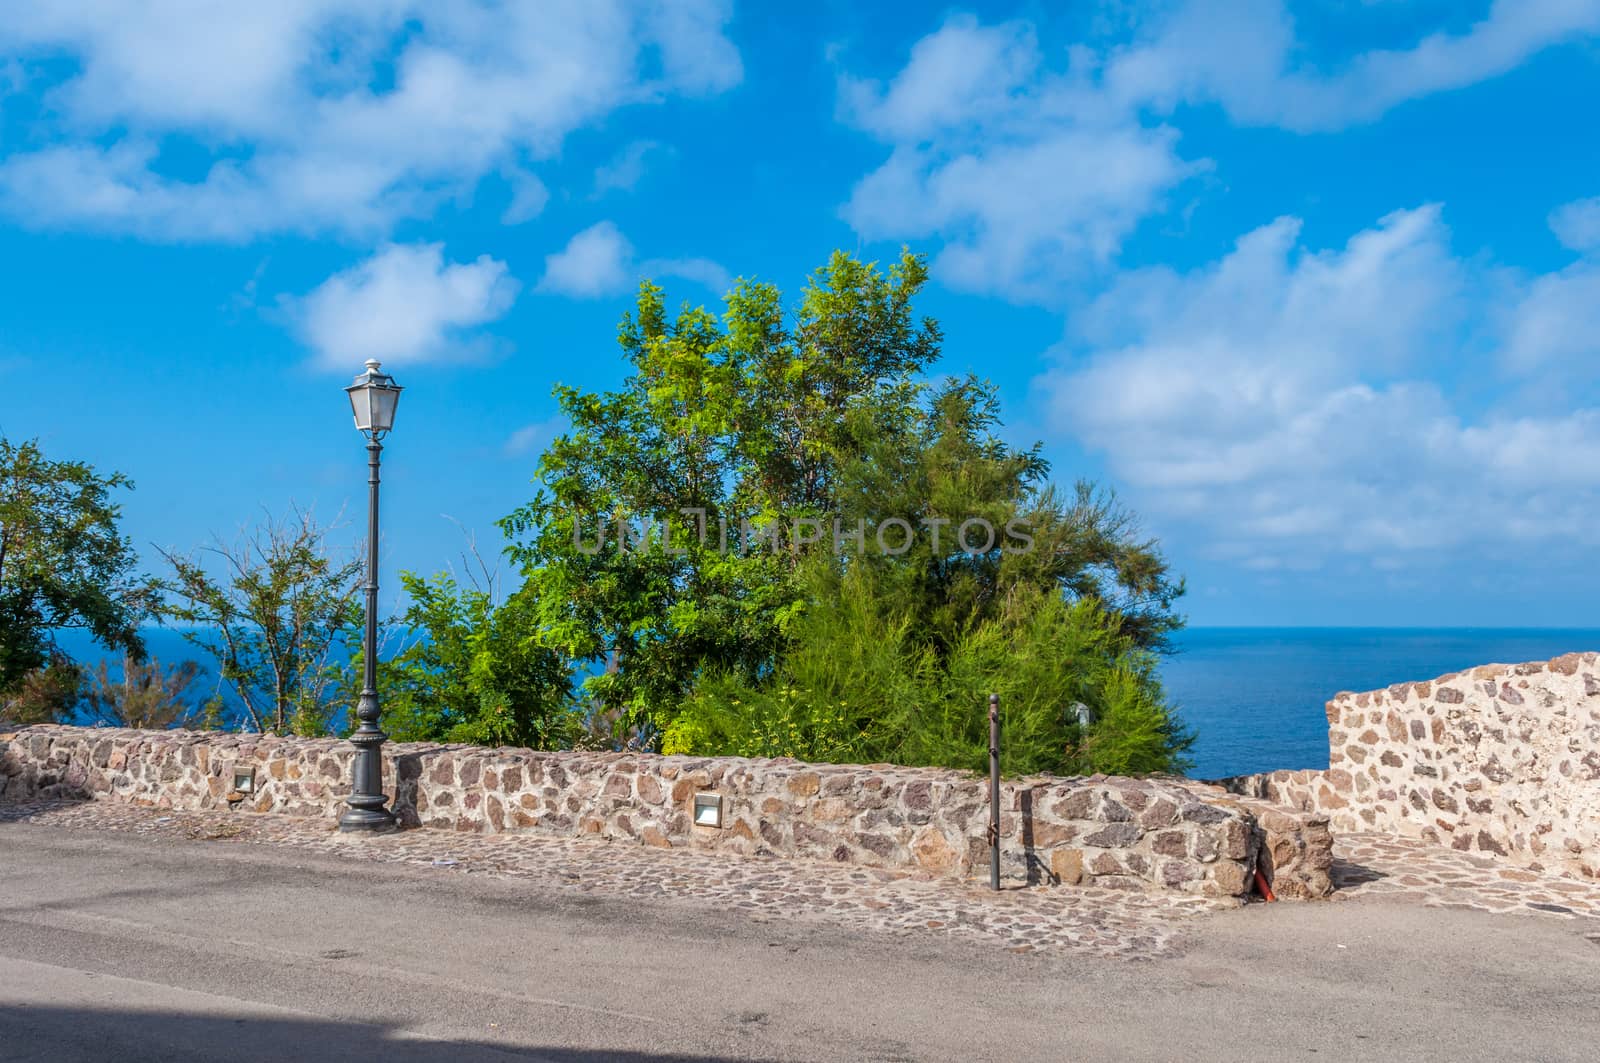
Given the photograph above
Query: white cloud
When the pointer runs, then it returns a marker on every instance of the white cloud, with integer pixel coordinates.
(964, 72)
(701, 271)
(1243, 55)
(1577, 224)
(528, 197)
(626, 170)
(1557, 322)
(1296, 405)
(404, 304)
(595, 262)
(689, 45)
(338, 115)
(1018, 218)
(1027, 177)
(1034, 169)
(599, 261)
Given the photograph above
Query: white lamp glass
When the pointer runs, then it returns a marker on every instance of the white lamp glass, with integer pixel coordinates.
(360, 403)
(373, 398)
(384, 401)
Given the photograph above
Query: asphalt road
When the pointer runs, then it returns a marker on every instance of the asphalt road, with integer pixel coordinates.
(132, 948)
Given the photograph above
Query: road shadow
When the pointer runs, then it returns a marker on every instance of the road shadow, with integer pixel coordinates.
(66, 1035)
(1345, 874)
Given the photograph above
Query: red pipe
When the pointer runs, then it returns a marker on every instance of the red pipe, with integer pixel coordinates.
(1262, 887)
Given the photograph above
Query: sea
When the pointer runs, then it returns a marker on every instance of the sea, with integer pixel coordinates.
(1254, 696)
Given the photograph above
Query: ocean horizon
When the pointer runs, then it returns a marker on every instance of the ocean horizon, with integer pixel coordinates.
(1256, 695)
(1253, 695)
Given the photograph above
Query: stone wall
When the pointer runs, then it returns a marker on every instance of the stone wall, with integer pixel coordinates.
(1501, 759)
(1295, 854)
(1101, 831)
(1306, 790)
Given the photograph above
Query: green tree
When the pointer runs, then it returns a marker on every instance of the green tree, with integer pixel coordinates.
(473, 671)
(273, 615)
(800, 434)
(63, 562)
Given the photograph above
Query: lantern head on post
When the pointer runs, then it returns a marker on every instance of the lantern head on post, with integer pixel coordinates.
(373, 397)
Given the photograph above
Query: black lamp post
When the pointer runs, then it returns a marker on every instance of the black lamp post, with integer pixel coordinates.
(373, 397)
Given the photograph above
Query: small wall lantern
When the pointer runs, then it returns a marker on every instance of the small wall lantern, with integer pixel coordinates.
(708, 809)
(244, 780)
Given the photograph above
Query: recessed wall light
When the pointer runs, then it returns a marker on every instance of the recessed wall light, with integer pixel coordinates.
(244, 780)
(707, 809)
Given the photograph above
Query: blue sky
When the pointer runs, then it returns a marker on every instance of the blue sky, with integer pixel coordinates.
(1315, 287)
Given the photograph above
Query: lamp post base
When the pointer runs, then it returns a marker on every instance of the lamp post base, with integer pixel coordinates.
(367, 820)
(365, 806)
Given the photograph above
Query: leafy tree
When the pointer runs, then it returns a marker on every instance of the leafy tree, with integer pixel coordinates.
(473, 671)
(63, 562)
(274, 617)
(801, 434)
(145, 695)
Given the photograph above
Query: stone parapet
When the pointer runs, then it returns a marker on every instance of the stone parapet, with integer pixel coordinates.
(1295, 840)
(1160, 833)
(1302, 790)
(1503, 759)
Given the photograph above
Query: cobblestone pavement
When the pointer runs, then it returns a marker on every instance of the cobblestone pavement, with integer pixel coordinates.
(1378, 865)
(1127, 924)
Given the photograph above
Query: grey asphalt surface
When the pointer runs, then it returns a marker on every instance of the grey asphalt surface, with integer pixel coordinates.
(119, 947)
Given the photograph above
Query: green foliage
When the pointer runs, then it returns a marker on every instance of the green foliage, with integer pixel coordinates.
(942, 460)
(212, 714)
(63, 562)
(274, 618)
(473, 672)
(864, 682)
(145, 695)
(833, 650)
(45, 695)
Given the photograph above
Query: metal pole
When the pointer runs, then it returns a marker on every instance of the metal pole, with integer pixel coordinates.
(366, 800)
(994, 791)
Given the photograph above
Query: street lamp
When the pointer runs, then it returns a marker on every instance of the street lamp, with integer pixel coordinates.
(373, 397)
